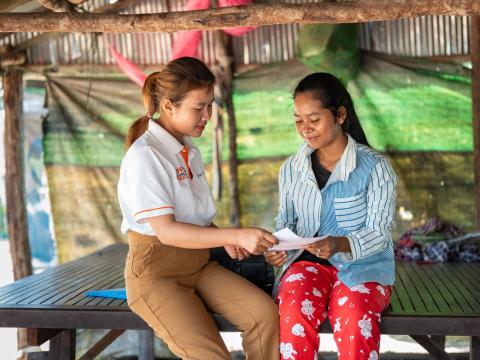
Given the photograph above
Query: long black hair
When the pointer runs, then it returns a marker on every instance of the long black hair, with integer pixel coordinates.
(330, 91)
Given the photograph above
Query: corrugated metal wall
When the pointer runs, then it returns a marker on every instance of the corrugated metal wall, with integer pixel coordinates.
(424, 36)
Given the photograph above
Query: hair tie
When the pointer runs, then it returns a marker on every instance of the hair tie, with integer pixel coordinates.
(149, 115)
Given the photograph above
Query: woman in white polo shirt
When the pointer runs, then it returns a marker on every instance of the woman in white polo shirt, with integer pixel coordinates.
(168, 210)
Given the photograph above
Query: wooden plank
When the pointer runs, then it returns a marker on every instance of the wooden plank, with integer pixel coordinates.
(467, 279)
(462, 289)
(462, 302)
(62, 270)
(411, 291)
(432, 286)
(75, 286)
(39, 289)
(113, 283)
(402, 293)
(471, 272)
(395, 306)
(440, 284)
(66, 270)
(423, 291)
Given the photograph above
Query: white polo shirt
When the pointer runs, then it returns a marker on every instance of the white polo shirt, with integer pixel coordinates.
(154, 180)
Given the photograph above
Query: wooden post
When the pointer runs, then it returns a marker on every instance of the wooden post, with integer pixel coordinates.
(475, 56)
(14, 181)
(217, 119)
(62, 346)
(17, 225)
(146, 349)
(224, 56)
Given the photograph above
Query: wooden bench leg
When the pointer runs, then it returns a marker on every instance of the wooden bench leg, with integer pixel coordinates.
(62, 346)
(475, 347)
(102, 344)
(432, 347)
(439, 340)
(146, 350)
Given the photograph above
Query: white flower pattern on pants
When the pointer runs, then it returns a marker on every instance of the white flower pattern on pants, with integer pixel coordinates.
(354, 313)
(286, 349)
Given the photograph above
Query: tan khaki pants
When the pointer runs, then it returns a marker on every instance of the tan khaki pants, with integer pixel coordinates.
(174, 290)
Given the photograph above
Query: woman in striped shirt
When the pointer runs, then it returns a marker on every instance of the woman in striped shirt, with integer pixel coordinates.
(335, 185)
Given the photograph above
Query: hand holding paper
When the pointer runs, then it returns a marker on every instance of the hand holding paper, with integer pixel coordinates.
(290, 241)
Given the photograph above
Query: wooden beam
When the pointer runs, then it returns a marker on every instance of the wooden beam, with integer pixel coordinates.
(14, 180)
(475, 55)
(252, 15)
(116, 7)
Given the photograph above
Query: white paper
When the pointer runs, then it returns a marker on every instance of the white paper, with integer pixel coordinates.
(288, 240)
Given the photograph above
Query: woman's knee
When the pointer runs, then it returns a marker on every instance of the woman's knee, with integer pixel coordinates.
(266, 311)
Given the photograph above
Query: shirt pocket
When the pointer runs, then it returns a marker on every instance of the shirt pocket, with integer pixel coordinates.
(351, 212)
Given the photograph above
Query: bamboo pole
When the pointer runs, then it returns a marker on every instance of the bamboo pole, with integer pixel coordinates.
(251, 15)
(14, 183)
(475, 55)
(217, 122)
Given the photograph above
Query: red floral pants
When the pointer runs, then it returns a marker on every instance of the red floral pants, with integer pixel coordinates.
(310, 292)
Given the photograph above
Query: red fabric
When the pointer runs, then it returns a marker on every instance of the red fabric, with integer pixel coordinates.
(129, 68)
(186, 43)
(310, 292)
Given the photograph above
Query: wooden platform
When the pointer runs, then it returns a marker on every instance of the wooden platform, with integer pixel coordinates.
(439, 299)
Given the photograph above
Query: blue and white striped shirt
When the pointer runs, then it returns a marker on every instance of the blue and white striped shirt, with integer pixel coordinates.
(357, 202)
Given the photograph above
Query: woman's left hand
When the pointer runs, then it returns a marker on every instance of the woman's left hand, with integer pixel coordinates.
(236, 252)
(329, 246)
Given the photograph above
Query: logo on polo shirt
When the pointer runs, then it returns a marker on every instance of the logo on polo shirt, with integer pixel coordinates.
(182, 173)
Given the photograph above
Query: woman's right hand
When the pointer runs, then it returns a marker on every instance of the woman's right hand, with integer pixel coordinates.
(255, 240)
(275, 258)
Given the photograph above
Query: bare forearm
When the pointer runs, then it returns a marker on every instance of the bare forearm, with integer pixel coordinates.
(191, 236)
